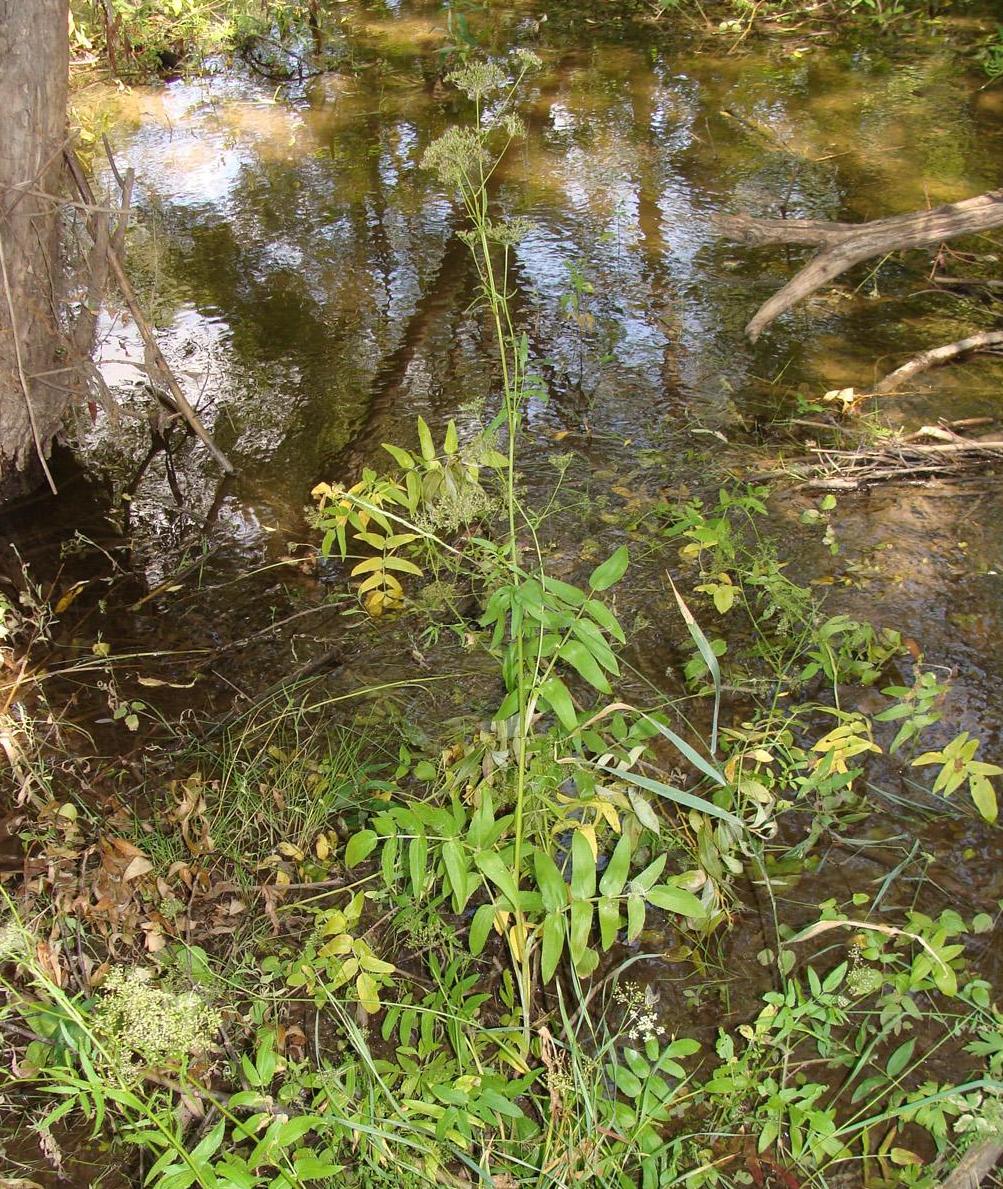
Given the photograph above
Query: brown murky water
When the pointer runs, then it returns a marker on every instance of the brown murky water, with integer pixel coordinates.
(311, 293)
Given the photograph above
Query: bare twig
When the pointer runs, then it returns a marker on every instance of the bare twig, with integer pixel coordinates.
(939, 355)
(973, 1168)
(968, 283)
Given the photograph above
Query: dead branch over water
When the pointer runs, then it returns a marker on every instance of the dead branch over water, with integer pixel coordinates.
(846, 244)
(936, 356)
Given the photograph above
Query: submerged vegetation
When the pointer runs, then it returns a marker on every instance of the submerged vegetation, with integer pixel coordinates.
(328, 944)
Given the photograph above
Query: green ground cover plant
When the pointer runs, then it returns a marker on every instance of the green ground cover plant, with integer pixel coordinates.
(446, 981)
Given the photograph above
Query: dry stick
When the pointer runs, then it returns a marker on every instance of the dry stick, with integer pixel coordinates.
(939, 355)
(968, 282)
(20, 371)
(143, 326)
(973, 1168)
(846, 244)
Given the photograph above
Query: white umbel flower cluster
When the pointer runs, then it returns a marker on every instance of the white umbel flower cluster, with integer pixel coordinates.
(149, 1026)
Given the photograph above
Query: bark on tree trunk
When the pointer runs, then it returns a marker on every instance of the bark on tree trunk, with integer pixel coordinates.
(34, 69)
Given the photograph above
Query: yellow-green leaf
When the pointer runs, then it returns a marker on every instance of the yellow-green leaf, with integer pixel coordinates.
(368, 992)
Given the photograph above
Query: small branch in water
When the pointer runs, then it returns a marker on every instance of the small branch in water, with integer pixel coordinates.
(936, 356)
(908, 460)
(845, 244)
(968, 283)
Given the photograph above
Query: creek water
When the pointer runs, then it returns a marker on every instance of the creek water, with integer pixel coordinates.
(309, 289)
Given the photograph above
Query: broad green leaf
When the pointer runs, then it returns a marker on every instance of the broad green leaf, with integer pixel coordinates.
(635, 916)
(553, 944)
(564, 590)
(550, 882)
(984, 796)
(368, 992)
(402, 564)
(425, 440)
(359, 847)
(452, 440)
(644, 813)
(480, 927)
(555, 694)
(454, 859)
(208, 1146)
(417, 855)
(309, 1167)
(388, 860)
(376, 965)
(648, 877)
(615, 875)
(490, 863)
(676, 900)
(577, 654)
(611, 570)
(583, 868)
(293, 1130)
(581, 927)
(900, 1058)
(605, 619)
(626, 1082)
(593, 639)
(368, 566)
(609, 920)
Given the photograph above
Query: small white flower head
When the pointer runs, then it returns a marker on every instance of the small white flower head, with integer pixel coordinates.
(479, 79)
(457, 156)
(149, 1026)
(526, 59)
(16, 943)
(864, 980)
(513, 125)
(510, 232)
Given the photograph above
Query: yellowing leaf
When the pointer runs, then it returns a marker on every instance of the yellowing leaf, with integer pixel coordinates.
(70, 595)
(368, 992)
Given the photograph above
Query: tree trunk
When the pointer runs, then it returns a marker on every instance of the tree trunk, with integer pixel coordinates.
(34, 394)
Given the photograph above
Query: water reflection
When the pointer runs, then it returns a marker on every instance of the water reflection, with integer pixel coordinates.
(315, 299)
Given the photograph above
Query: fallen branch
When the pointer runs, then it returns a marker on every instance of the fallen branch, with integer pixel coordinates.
(937, 356)
(845, 244)
(154, 354)
(913, 459)
(968, 283)
(973, 1168)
